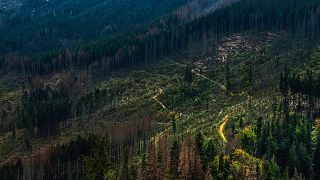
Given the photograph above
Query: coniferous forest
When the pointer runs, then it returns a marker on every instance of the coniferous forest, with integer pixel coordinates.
(166, 89)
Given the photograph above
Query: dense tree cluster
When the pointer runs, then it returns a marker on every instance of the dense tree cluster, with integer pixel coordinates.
(43, 109)
(49, 25)
(308, 85)
(301, 18)
(285, 145)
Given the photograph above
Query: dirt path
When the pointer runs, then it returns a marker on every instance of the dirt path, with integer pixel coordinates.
(156, 99)
(221, 128)
(226, 118)
(202, 76)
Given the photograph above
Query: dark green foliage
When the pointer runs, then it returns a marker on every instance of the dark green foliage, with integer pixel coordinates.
(295, 16)
(286, 140)
(259, 128)
(199, 141)
(11, 171)
(248, 140)
(174, 124)
(305, 161)
(262, 141)
(227, 77)
(143, 166)
(55, 24)
(249, 76)
(4, 120)
(44, 109)
(222, 168)
(316, 159)
(188, 75)
(284, 89)
(99, 166)
(271, 170)
(133, 172)
(309, 84)
(293, 161)
(209, 151)
(200, 148)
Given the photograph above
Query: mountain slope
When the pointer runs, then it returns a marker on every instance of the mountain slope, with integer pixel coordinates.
(39, 25)
(232, 94)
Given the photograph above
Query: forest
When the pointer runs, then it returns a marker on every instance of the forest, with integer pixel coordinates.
(48, 25)
(217, 89)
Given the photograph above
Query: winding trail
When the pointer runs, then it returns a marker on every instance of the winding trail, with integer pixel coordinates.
(221, 128)
(159, 102)
(226, 118)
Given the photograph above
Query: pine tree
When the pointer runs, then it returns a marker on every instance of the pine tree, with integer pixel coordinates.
(293, 161)
(258, 128)
(199, 148)
(174, 124)
(210, 151)
(221, 167)
(316, 160)
(271, 170)
(248, 140)
(305, 161)
(99, 166)
(228, 77)
(188, 75)
(284, 89)
(4, 120)
(262, 146)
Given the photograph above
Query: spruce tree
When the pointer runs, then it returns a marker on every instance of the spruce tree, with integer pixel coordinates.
(188, 75)
(99, 166)
(271, 170)
(293, 161)
(316, 159)
(305, 161)
(259, 128)
(199, 146)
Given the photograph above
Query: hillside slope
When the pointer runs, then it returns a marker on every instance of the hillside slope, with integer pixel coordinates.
(232, 94)
(42, 25)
